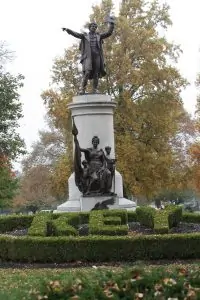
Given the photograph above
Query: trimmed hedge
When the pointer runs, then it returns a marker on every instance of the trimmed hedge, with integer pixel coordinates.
(61, 227)
(99, 248)
(13, 222)
(190, 218)
(105, 222)
(161, 222)
(54, 224)
(165, 219)
(98, 227)
(72, 217)
(39, 224)
(175, 215)
(132, 216)
(112, 221)
(121, 213)
(145, 215)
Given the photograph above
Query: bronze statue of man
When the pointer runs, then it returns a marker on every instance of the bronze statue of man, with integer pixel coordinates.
(92, 59)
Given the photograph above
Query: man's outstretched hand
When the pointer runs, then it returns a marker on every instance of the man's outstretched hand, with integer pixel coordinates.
(65, 29)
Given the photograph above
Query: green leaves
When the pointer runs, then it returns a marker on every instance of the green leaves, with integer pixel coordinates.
(8, 184)
(11, 111)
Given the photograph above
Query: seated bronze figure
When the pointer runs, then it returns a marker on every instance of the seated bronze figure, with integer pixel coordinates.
(94, 178)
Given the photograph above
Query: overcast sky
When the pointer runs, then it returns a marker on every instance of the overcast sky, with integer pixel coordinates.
(32, 28)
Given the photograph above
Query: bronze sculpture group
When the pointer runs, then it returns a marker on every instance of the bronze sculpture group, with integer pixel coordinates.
(95, 174)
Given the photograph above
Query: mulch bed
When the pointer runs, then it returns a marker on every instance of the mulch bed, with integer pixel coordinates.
(135, 227)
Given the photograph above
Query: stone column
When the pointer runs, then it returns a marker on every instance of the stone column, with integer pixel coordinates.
(93, 115)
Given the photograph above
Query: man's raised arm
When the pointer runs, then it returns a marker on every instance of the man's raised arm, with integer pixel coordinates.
(111, 22)
(74, 33)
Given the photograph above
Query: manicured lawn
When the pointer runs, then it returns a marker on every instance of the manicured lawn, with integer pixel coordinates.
(143, 282)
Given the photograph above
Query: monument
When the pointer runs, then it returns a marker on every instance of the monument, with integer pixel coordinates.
(95, 183)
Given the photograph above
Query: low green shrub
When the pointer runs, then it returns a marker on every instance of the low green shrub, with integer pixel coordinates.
(145, 215)
(39, 225)
(72, 217)
(121, 213)
(174, 215)
(61, 227)
(99, 248)
(13, 222)
(76, 218)
(98, 227)
(112, 221)
(84, 217)
(190, 217)
(161, 225)
(167, 218)
(132, 216)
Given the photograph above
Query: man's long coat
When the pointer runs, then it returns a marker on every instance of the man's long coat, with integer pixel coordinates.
(86, 57)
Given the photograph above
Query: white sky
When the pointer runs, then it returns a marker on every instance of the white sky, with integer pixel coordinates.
(32, 28)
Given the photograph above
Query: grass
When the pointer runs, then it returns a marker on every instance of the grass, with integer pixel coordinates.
(30, 284)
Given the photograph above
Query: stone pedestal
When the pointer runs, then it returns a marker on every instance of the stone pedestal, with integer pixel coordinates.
(93, 116)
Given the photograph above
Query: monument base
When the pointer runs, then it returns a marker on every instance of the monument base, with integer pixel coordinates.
(93, 116)
(88, 203)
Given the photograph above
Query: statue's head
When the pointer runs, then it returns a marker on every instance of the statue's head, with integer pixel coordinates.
(92, 27)
(108, 150)
(95, 141)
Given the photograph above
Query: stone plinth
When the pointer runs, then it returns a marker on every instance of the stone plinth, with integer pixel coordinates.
(93, 116)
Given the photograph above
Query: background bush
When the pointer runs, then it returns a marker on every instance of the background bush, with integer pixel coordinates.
(13, 222)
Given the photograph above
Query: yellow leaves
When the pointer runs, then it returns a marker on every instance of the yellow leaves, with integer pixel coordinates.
(56, 105)
(60, 175)
(194, 153)
(146, 88)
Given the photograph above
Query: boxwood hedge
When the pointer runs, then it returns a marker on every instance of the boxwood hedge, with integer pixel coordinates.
(13, 222)
(159, 220)
(99, 248)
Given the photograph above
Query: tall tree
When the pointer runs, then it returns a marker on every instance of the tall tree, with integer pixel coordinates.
(35, 186)
(48, 153)
(194, 150)
(11, 145)
(142, 78)
(8, 183)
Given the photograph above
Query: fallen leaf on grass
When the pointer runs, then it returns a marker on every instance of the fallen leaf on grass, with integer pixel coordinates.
(191, 295)
(182, 272)
(169, 281)
(139, 296)
(158, 287)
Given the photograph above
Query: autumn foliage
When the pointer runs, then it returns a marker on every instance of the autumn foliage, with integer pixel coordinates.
(8, 182)
(153, 132)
